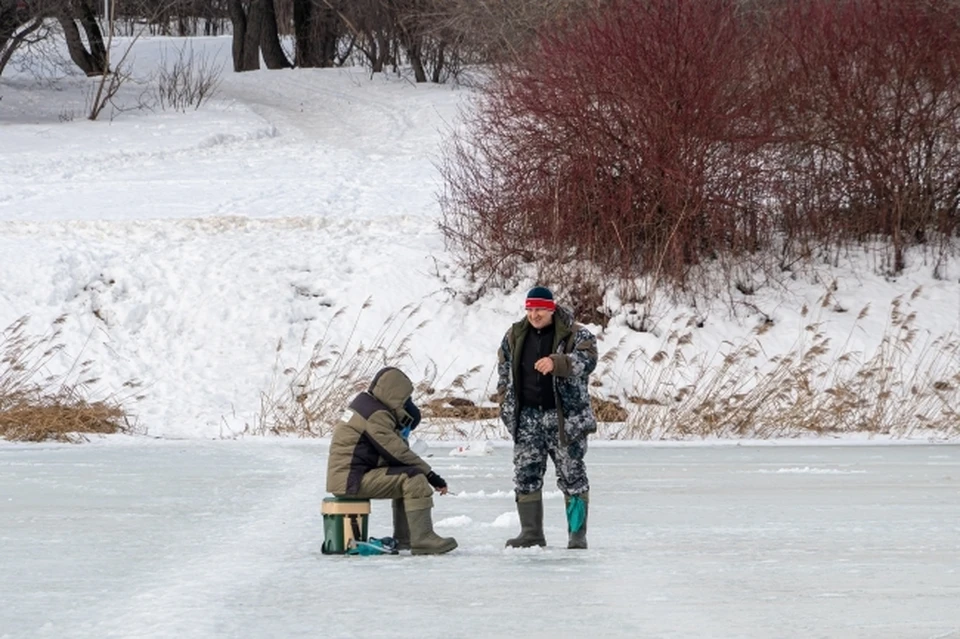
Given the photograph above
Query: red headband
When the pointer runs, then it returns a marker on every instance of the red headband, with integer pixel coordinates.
(540, 302)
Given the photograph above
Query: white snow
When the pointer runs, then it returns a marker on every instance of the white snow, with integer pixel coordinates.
(203, 253)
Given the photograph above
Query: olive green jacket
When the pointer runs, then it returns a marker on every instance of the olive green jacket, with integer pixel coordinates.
(368, 435)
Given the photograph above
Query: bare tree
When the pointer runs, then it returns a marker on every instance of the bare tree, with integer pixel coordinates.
(255, 31)
(317, 29)
(19, 26)
(371, 25)
(69, 14)
(496, 30)
(245, 17)
(111, 81)
(173, 17)
(273, 54)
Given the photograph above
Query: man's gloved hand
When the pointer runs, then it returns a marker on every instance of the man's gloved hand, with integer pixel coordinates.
(436, 480)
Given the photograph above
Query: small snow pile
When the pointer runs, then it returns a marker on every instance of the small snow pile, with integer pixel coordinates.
(419, 446)
(506, 520)
(473, 449)
(460, 521)
(482, 494)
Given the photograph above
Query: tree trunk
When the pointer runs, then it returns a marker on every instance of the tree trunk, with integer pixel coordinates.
(251, 40)
(412, 45)
(441, 58)
(78, 53)
(246, 35)
(385, 47)
(329, 35)
(238, 18)
(306, 53)
(273, 55)
(98, 51)
(316, 32)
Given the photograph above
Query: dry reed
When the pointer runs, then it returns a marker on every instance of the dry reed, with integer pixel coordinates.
(36, 405)
(306, 399)
(907, 386)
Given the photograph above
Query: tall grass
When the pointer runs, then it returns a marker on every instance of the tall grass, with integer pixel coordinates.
(307, 398)
(909, 384)
(37, 405)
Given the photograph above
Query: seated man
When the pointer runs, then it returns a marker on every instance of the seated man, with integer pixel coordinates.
(371, 459)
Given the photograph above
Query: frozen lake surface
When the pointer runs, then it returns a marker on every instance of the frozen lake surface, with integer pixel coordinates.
(222, 539)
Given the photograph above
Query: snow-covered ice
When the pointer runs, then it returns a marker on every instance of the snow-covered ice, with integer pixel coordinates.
(222, 539)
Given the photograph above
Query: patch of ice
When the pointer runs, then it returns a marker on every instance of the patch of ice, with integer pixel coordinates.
(812, 471)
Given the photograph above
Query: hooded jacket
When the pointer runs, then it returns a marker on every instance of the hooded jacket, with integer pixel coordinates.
(574, 358)
(368, 435)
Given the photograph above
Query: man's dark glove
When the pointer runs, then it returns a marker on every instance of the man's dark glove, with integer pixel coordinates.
(436, 480)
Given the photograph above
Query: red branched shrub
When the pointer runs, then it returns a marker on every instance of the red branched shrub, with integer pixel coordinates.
(652, 136)
(628, 140)
(870, 117)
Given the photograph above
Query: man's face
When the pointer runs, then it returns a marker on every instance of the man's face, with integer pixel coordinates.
(539, 317)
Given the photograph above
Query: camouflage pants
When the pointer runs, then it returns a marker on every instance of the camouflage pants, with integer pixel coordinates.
(537, 438)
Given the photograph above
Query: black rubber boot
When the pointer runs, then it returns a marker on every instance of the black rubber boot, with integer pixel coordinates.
(401, 530)
(530, 509)
(578, 538)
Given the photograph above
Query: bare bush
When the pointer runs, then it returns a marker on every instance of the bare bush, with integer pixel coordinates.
(43, 59)
(18, 29)
(171, 17)
(36, 405)
(628, 140)
(869, 104)
(189, 81)
(501, 30)
(110, 81)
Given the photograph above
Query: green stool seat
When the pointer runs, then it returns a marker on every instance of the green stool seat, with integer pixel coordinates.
(344, 520)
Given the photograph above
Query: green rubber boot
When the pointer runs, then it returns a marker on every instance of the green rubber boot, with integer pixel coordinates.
(530, 509)
(423, 541)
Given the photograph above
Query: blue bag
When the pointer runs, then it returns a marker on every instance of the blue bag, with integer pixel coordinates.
(373, 546)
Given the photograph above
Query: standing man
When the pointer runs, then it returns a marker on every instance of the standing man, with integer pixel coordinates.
(544, 363)
(371, 459)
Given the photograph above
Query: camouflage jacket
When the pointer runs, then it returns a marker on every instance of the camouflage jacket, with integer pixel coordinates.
(574, 358)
